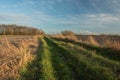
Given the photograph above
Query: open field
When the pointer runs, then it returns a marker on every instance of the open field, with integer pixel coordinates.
(49, 58)
(99, 37)
(103, 41)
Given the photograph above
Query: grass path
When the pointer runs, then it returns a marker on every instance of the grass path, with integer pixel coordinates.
(41, 67)
(48, 65)
(47, 69)
(58, 60)
(63, 72)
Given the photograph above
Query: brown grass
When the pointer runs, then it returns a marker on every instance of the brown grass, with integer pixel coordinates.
(69, 37)
(92, 40)
(102, 41)
(15, 52)
(112, 44)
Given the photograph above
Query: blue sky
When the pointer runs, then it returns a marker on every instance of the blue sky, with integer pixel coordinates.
(53, 16)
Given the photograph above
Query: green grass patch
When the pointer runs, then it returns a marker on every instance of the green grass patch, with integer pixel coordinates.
(89, 66)
(62, 70)
(105, 52)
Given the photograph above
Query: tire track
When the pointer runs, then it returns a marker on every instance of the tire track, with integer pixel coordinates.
(62, 70)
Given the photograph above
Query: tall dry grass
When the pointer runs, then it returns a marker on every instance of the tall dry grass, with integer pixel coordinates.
(14, 54)
(92, 40)
(103, 42)
(112, 44)
(68, 37)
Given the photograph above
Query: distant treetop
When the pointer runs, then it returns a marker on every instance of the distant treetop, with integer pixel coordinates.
(19, 30)
(67, 33)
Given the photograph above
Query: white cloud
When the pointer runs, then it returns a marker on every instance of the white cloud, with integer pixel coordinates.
(27, 2)
(15, 17)
(95, 19)
(19, 4)
(19, 19)
(87, 32)
(104, 18)
(87, 19)
(52, 2)
(91, 15)
(44, 17)
(55, 20)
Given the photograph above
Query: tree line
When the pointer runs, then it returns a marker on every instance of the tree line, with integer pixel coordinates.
(19, 30)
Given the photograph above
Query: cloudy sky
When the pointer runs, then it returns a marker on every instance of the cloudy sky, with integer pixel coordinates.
(80, 16)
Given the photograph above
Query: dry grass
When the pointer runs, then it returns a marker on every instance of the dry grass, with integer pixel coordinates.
(112, 44)
(106, 42)
(69, 37)
(92, 40)
(15, 52)
(102, 41)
